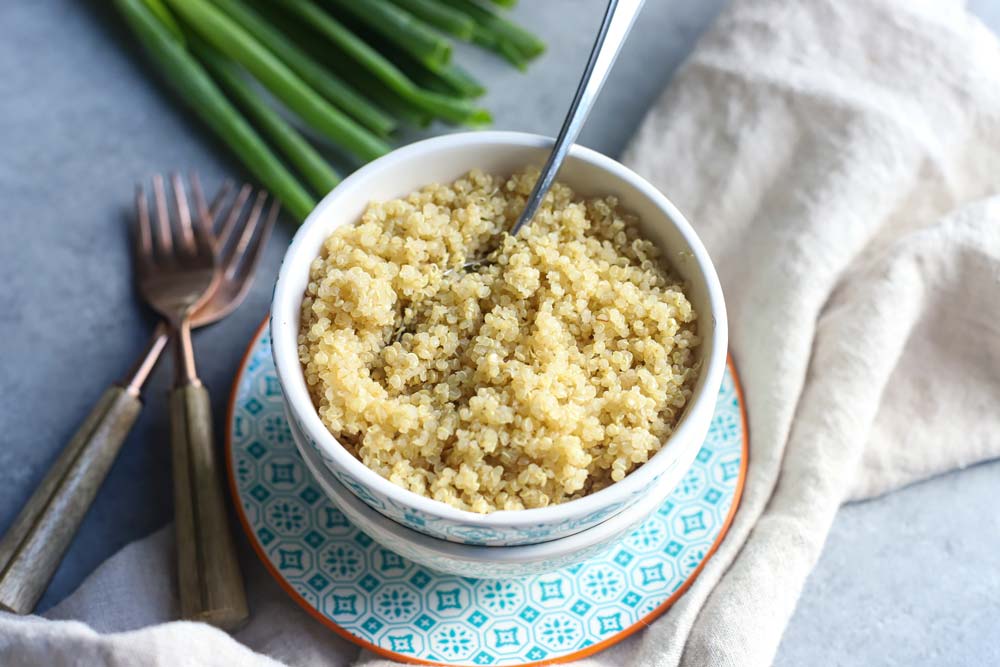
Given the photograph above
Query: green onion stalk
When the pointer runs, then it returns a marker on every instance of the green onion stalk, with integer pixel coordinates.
(495, 32)
(229, 38)
(445, 107)
(440, 16)
(296, 148)
(450, 79)
(353, 71)
(409, 33)
(198, 90)
(312, 72)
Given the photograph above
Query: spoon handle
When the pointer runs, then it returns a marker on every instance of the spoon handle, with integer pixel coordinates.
(618, 20)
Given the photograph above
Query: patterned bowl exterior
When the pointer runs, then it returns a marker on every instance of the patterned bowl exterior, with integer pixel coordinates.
(478, 561)
(403, 610)
(463, 533)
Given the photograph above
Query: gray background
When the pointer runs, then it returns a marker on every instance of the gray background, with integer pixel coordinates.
(910, 578)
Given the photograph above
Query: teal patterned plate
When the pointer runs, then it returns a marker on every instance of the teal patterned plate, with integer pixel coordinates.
(406, 612)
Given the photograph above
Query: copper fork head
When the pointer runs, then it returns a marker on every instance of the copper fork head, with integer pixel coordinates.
(175, 257)
(177, 271)
(236, 239)
(242, 231)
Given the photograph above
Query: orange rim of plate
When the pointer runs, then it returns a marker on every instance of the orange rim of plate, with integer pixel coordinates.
(385, 653)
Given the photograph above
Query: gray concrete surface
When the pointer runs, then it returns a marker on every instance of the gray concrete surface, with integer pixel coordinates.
(908, 579)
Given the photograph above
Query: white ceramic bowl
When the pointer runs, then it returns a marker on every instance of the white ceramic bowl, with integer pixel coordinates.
(443, 159)
(483, 562)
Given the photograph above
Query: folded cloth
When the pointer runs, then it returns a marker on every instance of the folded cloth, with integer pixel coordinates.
(830, 154)
(835, 157)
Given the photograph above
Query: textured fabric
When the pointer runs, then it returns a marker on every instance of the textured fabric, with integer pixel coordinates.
(831, 155)
(836, 157)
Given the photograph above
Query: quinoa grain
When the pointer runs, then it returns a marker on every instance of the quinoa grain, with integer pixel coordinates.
(543, 377)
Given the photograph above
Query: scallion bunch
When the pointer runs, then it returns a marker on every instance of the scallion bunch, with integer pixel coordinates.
(263, 73)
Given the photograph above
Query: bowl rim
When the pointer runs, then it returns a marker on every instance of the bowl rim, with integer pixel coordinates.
(284, 317)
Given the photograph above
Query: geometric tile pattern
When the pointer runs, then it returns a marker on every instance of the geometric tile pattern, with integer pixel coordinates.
(404, 610)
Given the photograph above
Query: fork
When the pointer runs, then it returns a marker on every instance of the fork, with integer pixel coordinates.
(175, 275)
(34, 545)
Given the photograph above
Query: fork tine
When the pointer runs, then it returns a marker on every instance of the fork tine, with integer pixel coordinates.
(143, 232)
(183, 212)
(209, 212)
(162, 217)
(236, 250)
(226, 230)
(220, 199)
(202, 242)
(251, 257)
(200, 207)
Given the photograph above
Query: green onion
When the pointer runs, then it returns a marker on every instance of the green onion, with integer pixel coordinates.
(353, 74)
(198, 90)
(299, 152)
(400, 108)
(383, 95)
(494, 31)
(314, 74)
(397, 106)
(341, 64)
(459, 81)
(228, 37)
(441, 17)
(449, 80)
(388, 100)
(166, 18)
(445, 79)
(441, 106)
(400, 27)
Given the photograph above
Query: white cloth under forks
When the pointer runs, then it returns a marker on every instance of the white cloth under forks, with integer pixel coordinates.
(837, 158)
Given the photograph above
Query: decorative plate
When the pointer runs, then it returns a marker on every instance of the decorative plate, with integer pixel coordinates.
(406, 612)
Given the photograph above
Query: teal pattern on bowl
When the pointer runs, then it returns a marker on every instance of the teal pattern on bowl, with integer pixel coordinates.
(448, 529)
(406, 611)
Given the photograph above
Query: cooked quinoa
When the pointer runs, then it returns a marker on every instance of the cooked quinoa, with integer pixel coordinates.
(540, 378)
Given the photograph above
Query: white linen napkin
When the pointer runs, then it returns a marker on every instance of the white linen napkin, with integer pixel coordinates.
(831, 155)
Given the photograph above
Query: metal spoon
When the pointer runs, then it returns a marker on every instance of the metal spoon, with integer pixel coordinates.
(617, 23)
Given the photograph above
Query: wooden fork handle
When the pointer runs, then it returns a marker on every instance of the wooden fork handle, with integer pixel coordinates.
(33, 547)
(209, 579)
